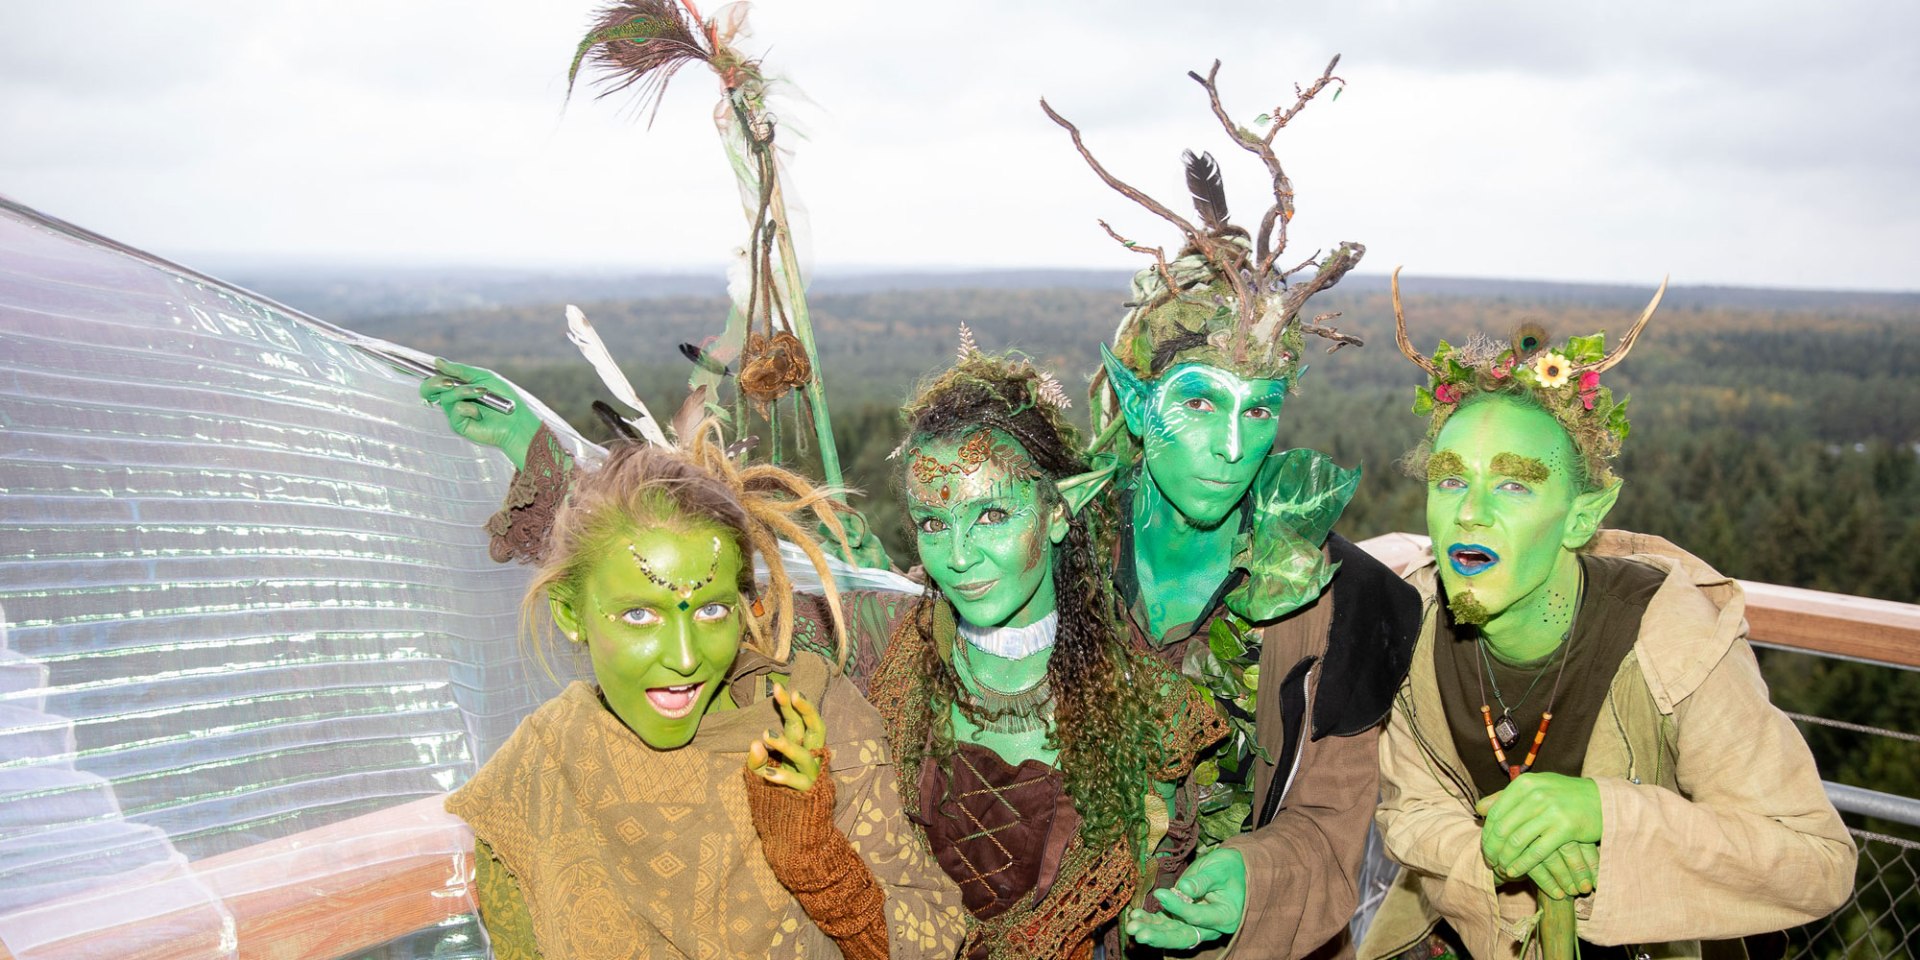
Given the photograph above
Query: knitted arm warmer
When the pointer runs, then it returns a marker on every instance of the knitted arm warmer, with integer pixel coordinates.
(818, 865)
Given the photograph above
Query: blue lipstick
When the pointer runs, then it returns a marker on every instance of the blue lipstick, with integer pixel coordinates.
(1469, 559)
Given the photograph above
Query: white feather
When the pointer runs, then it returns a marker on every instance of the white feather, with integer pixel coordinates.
(583, 336)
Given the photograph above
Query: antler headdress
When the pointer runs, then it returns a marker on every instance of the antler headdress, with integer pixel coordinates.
(1565, 379)
(1225, 300)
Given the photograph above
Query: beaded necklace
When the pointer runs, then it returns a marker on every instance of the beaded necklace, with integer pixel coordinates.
(1504, 729)
(1002, 711)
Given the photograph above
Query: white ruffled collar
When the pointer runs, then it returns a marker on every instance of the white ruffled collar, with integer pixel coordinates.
(1012, 643)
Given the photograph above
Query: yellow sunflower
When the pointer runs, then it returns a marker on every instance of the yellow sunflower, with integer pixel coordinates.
(1552, 369)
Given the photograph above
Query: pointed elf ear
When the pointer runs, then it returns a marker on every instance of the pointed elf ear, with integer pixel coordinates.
(1080, 489)
(1588, 510)
(565, 617)
(1134, 395)
(1057, 523)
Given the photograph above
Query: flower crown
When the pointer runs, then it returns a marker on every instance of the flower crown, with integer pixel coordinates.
(1564, 380)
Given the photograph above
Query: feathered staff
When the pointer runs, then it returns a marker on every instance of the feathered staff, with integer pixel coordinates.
(640, 45)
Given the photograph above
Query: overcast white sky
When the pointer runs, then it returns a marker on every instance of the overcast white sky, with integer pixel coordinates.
(1750, 142)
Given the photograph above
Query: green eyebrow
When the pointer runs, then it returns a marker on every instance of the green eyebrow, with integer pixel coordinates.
(1520, 468)
(1444, 464)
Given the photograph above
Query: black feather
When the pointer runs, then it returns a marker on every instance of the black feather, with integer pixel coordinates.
(615, 422)
(1209, 194)
(704, 360)
(1166, 350)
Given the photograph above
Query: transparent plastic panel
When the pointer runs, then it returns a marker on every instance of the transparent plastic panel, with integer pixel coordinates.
(245, 605)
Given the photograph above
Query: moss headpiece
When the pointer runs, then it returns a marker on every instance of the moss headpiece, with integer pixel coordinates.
(1225, 300)
(1563, 380)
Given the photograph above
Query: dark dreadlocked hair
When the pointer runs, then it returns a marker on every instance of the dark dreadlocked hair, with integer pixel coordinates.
(1108, 745)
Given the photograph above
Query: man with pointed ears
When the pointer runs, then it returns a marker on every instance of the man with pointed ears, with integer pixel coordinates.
(1228, 570)
(1584, 720)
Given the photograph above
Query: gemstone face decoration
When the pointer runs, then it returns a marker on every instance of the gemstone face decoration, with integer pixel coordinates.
(683, 590)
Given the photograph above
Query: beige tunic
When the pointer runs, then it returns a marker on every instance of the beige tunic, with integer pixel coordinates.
(622, 851)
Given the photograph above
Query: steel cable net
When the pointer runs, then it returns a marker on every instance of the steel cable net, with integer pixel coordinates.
(1879, 919)
(251, 630)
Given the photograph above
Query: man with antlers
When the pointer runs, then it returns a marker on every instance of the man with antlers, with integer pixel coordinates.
(1225, 561)
(1584, 744)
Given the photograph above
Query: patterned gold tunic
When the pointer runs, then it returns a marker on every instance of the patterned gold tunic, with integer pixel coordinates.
(620, 851)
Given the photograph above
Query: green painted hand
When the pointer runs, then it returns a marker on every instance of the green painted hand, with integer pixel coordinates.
(1529, 822)
(862, 547)
(457, 391)
(1206, 903)
(1568, 872)
(790, 759)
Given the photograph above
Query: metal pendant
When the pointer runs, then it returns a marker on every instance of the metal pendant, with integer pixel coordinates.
(1507, 731)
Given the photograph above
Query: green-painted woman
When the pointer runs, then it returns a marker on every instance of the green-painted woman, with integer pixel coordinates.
(711, 793)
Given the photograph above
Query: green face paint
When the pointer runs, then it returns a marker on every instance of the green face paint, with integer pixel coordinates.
(1505, 518)
(1205, 433)
(660, 614)
(985, 535)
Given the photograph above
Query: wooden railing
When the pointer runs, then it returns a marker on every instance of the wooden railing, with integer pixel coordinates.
(328, 892)
(384, 895)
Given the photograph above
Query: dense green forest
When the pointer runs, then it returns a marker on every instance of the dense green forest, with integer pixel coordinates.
(1776, 437)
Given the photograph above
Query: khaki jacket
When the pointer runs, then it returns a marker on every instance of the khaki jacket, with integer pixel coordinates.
(1716, 824)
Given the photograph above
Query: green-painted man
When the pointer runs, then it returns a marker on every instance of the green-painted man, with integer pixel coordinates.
(1584, 720)
(1227, 566)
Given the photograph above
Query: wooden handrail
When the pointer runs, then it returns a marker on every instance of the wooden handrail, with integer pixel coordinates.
(1811, 621)
(388, 884)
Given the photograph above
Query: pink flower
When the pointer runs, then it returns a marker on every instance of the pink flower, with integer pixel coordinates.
(1589, 381)
(1446, 393)
(1587, 396)
(1503, 368)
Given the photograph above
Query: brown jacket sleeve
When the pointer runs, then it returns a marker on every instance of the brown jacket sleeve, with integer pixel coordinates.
(1303, 868)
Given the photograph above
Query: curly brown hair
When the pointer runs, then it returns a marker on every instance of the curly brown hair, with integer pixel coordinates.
(1102, 726)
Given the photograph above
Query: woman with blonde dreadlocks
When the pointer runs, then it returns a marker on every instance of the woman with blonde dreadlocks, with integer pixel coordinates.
(648, 813)
(1035, 750)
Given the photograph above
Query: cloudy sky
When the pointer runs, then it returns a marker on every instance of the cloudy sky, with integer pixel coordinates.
(1751, 142)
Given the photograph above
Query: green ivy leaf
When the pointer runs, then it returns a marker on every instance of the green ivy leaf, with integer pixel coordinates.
(1206, 773)
(1226, 645)
(1587, 349)
(1223, 825)
(1422, 401)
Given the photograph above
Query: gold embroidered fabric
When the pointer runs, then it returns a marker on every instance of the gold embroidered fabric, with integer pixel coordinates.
(624, 852)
